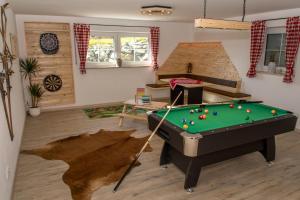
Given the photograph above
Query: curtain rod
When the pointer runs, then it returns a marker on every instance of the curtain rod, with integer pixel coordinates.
(273, 19)
(121, 25)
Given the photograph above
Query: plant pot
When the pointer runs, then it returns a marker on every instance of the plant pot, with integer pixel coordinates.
(34, 112)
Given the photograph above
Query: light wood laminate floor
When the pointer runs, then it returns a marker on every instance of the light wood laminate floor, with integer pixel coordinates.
(244, 178)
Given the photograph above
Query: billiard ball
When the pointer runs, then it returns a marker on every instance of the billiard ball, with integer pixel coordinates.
(247, 118)
(185, 126)
(206, 111)
(248, 111)
(215, 113)
(240, 107)
(202, 117)
(231, 106)
(274, 112)
(183, 121)
(200, 110)
(196, 110)
(192, 111)
(192, 122)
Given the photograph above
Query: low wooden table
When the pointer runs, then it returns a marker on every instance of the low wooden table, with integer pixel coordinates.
(154, 105)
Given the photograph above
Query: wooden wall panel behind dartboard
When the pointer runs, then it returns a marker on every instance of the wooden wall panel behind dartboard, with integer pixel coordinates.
(59, 64)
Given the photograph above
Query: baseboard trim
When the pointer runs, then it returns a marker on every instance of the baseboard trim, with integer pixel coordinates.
(81, 106)
(52, 109)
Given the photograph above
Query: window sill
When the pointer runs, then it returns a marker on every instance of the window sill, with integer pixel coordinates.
(271, 73)
(271, 70)
(114, 67)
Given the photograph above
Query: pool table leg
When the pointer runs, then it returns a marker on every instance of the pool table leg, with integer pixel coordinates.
(192, 174)
(164, 156)
(269, 149)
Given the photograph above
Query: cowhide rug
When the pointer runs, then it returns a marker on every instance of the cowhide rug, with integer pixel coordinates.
(95, 160)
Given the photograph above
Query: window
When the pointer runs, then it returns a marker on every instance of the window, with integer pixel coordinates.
(275, 49)
(105, 48)
(273, 55)
(134, 49)
(101, 50)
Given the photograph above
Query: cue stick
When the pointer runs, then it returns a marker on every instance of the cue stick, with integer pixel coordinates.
(145, 145)
(219, 103)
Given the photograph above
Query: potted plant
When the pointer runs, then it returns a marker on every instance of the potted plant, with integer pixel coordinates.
(36, 93)
(29, 69)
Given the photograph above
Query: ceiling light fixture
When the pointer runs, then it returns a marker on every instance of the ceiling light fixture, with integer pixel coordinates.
(222, 24)
(156, 10)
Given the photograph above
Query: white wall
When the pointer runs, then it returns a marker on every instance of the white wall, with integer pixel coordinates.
(266, 87)
(113, 85)
(9, 151)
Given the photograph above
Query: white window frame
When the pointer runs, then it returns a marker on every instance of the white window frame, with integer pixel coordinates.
(132, 63)
(261, 65)
(103, 64)
(117, 42)
(280, 51)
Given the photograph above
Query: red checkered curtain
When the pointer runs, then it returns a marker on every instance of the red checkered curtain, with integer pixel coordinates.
(258, 30)
(292, 45)
(154, 32)
(82, 35)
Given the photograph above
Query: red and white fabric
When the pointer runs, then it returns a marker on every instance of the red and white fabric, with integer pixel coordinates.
(175, 81)
(154, 34)
(292, 45)
(82, 35)
(258, 32)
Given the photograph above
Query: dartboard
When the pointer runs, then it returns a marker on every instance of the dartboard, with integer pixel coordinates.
(52, 83)
(49, 43)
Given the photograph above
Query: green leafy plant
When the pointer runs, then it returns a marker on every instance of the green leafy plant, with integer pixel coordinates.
(36, 93)
(29, 68)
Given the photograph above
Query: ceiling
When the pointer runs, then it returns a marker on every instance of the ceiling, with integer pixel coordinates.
(184, 10)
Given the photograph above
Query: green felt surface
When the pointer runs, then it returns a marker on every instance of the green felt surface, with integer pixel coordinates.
(226, 116)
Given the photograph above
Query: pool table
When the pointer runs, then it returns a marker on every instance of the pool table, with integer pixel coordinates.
(229, 130)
